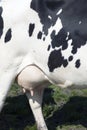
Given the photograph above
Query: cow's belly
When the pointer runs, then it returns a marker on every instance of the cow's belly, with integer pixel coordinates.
(63, 77)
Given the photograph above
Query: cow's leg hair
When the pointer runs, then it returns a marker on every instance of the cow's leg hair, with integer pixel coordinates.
(5, 82)
(35, 102)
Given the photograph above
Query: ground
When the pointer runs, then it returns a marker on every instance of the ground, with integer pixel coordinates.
(63, 109)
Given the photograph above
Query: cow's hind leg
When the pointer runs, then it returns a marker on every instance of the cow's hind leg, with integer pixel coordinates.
(6, 80)
(33, 80)
(35, 102)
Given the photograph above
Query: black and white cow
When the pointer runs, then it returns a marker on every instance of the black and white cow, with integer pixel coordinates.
(42, 42)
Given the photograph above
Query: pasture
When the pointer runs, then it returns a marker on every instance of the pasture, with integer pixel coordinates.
(63, 109)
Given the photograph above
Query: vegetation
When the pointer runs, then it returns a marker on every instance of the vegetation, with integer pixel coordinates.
(63, 109)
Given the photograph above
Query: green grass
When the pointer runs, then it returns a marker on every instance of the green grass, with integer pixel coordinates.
(63, 109)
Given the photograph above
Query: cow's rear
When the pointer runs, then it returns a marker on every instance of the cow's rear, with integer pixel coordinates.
(45, 37)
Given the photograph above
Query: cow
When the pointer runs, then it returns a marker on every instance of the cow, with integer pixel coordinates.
(42, 42)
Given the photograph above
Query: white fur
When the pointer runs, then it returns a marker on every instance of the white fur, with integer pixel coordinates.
(22, 51)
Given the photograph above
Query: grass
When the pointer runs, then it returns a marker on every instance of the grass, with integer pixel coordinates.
(63, 109)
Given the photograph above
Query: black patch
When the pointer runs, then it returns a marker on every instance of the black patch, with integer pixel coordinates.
(70, 58)
(8, 35)
(31, 29)
(48, 47)
(1, 22)
(39, 36)
(77, 64)
(54, 5)
(79, 39)
(56, 60)
(65, 62)
(72, 12)
(59, 39)
(44, 39)
(44, 8)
